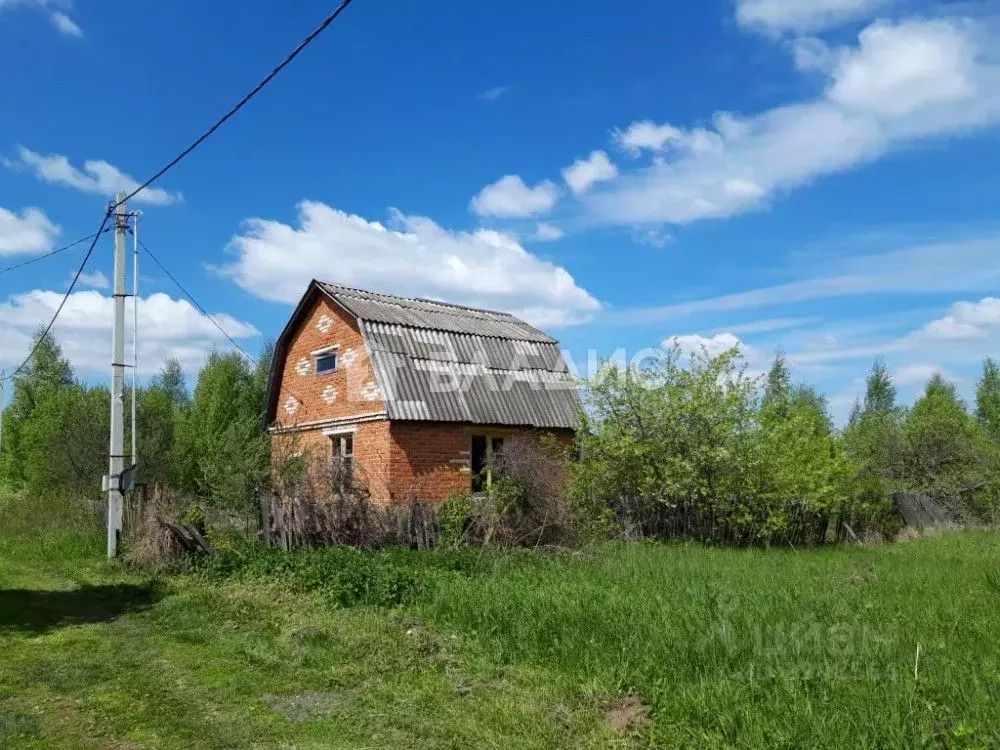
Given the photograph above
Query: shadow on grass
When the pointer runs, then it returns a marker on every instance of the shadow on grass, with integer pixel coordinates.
(37, 611)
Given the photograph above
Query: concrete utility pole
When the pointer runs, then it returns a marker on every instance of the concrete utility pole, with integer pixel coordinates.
(117, 460)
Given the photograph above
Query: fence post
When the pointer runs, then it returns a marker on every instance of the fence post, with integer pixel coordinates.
(264, 508)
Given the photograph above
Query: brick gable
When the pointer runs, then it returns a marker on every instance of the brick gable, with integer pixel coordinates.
(350, 391)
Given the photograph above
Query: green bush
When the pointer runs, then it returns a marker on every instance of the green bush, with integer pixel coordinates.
(454, 516)
(702, 450)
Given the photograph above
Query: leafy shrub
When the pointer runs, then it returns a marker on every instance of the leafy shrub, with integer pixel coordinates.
(699, 451)
(454, 517)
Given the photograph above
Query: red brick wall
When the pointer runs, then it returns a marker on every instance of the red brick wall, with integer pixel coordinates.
(403, 461)
(433, 460)
(372, 453)
(430, 460)
(349, 391)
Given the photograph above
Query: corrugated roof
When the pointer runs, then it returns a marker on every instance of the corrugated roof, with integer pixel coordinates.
(438, 316)
(436, 374)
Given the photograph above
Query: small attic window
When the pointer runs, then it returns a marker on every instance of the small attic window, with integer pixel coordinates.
(326, 363)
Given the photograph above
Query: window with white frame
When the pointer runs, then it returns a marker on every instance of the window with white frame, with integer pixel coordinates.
(326, 362)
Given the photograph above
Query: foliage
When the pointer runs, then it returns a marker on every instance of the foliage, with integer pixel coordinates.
(528, 503)
(55, 430)
(212, 446)
(171, 381)
(700, 451)
(666, 435)
(988, 398)
(454, 517)
(221, 449)
(875, 442)
(778, 384)
(948, 454)
(880, 392)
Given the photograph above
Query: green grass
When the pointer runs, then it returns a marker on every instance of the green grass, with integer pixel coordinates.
(728, 648)
(754, 648)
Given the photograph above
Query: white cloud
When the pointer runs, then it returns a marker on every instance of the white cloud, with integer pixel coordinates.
(646, 135)
(509, 197)
(97, 177)
(29, 232)
(653, 237)
(415, 258)
(776, 16)
(585, 173)
(966, 320)
(491, 95)
(59, 18)
(693, 343)
(167, 328)
(66, 25)
(968, 332)
(901, 83)
(95, 280)
(810, 53)
(901, 69)
(545, 232)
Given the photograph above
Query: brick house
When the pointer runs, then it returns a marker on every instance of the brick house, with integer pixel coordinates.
(413, 395)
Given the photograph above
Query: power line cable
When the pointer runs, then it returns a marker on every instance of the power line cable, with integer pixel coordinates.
(62, 249)
(72, 286)
(195, 302)
(243, 102)
(215, 322)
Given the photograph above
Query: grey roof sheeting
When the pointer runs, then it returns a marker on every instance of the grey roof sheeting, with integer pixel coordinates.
(439, 362)
(451, 377)
(437, 316)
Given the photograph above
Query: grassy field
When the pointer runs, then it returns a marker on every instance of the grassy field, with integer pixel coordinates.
(627, 646)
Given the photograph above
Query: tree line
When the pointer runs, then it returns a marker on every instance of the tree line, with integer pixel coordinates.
(207, 443)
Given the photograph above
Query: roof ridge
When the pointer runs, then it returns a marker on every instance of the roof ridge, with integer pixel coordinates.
(547, 341)
(425, 300)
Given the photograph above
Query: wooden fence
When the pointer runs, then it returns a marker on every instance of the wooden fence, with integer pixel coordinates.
(307, 522)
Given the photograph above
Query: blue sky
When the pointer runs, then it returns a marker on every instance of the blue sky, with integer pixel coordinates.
(816, 177)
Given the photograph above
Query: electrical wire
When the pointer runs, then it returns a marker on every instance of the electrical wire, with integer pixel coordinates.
(62, 249)
(243, 102)
(215, 322)
(72, 286)
(195, 302)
